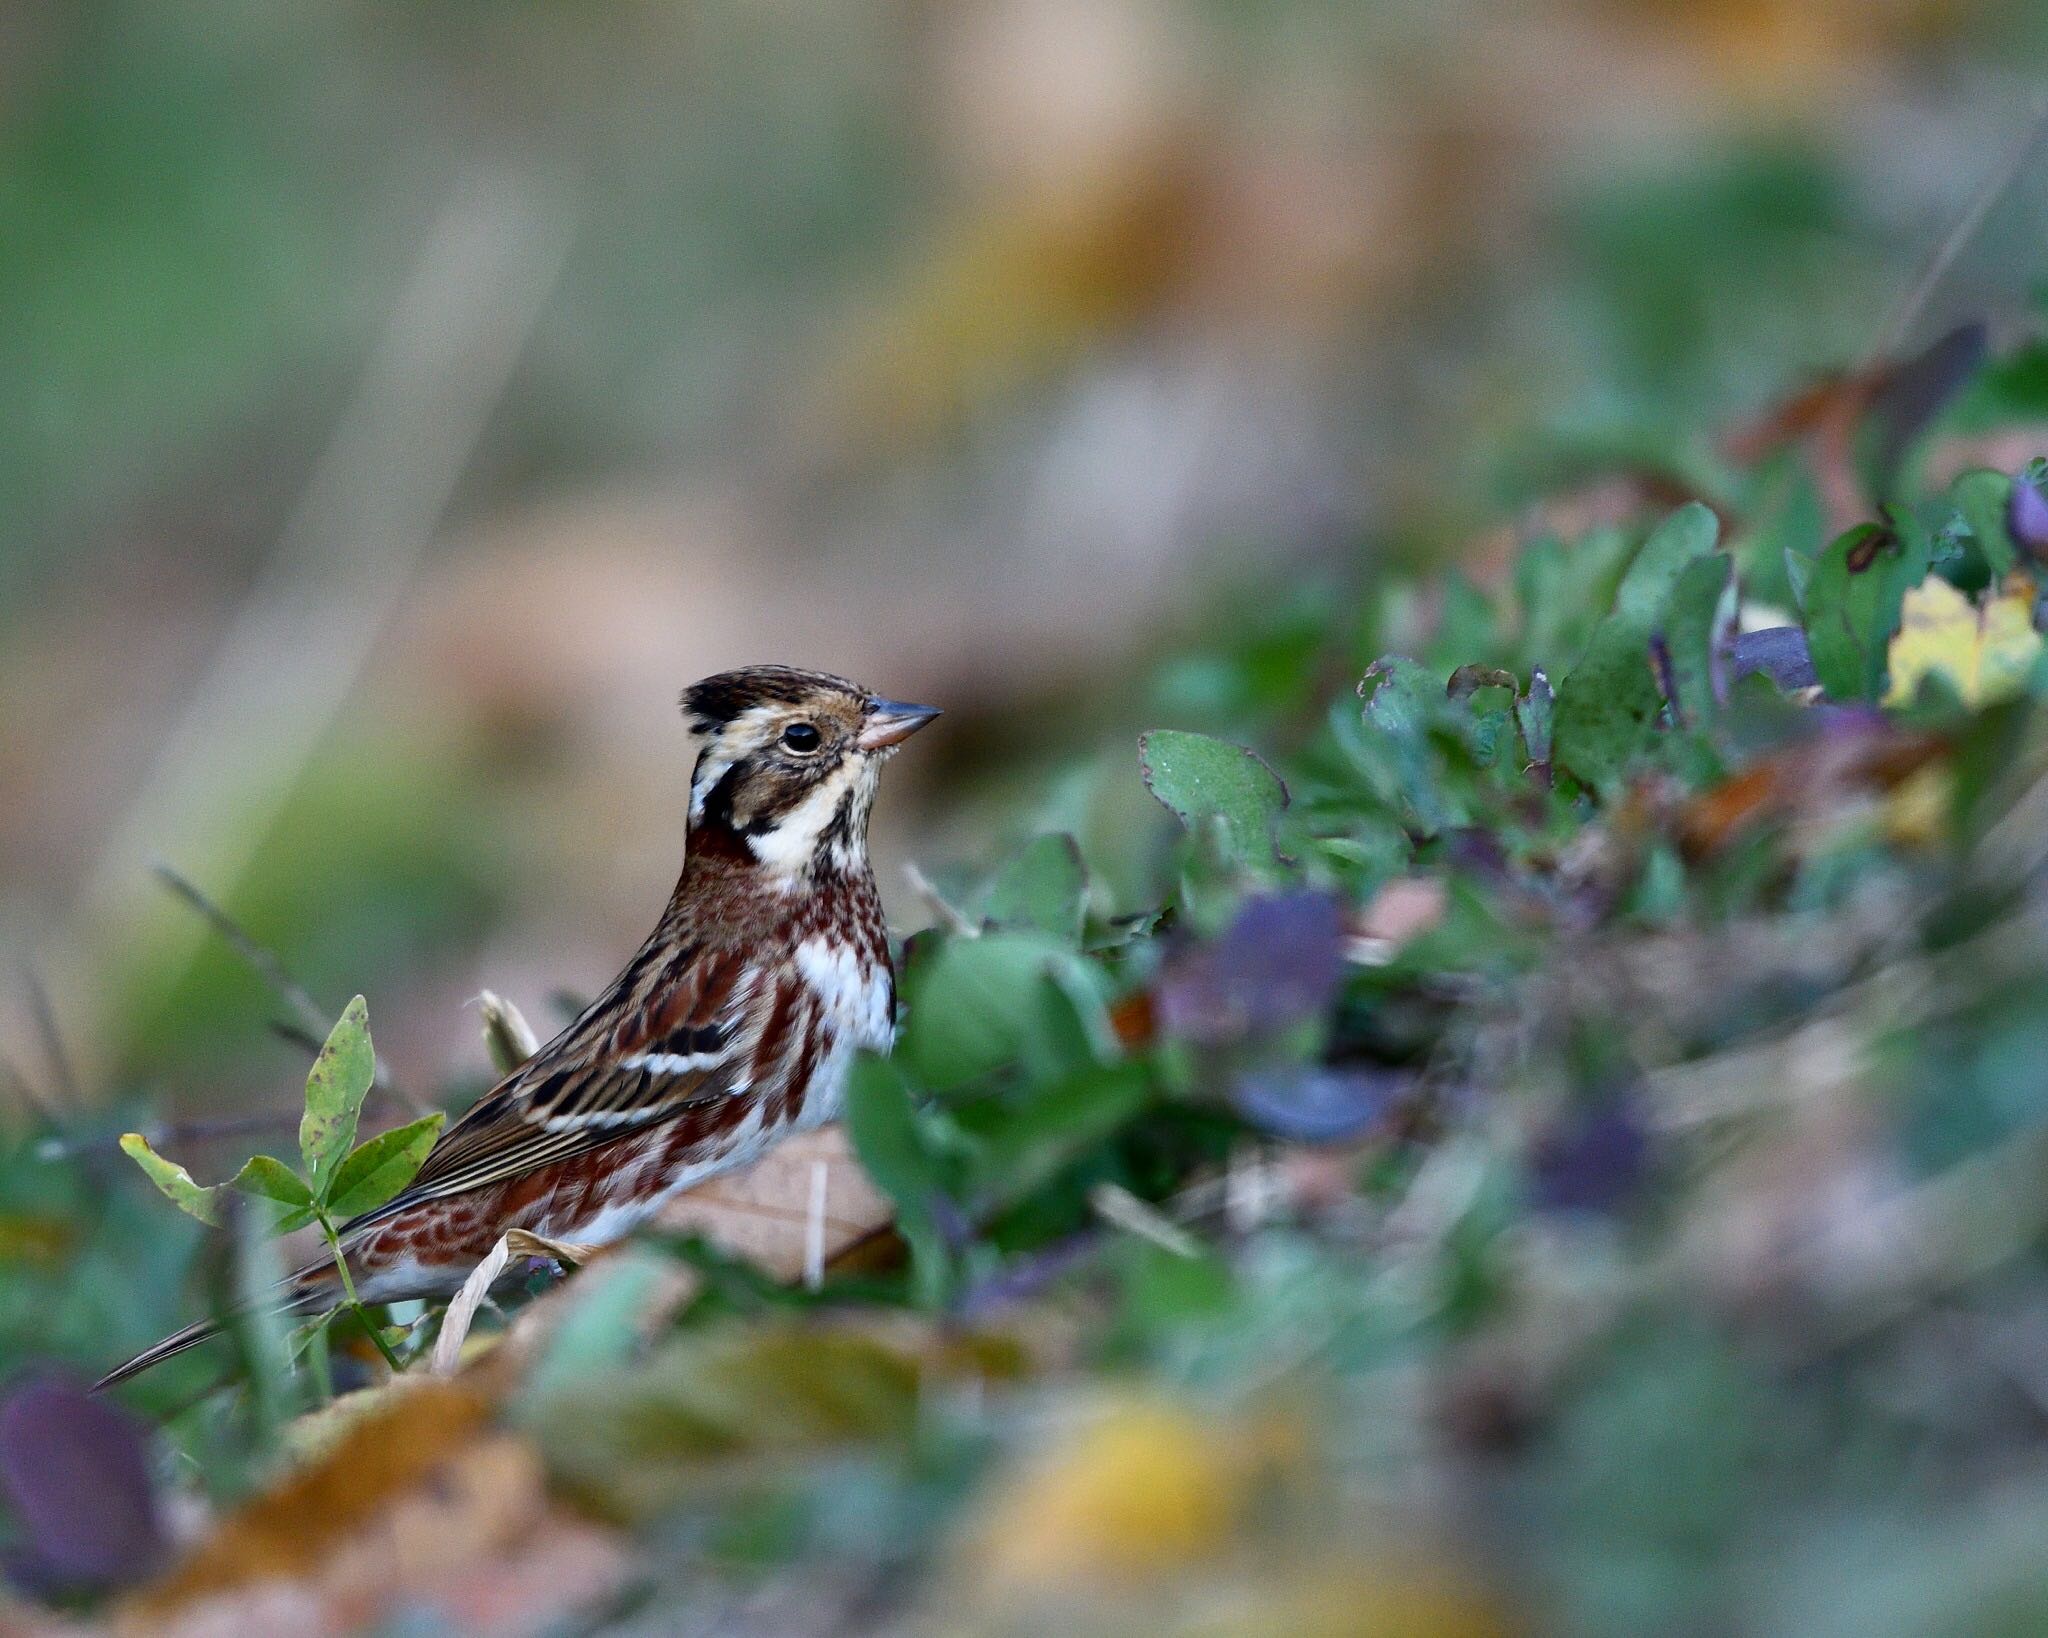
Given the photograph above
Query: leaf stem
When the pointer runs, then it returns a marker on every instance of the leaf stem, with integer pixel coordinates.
(355, 1303)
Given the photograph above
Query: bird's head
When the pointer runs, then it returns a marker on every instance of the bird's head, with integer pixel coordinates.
(787, 762)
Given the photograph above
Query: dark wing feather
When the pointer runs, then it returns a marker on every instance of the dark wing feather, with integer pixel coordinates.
(620, 1067)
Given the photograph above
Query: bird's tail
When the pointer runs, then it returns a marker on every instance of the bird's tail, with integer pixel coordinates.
(311, 1287)
(176, 1343)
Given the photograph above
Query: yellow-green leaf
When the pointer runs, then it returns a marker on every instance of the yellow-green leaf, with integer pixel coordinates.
(381, 1167)
(1983, 654)
(173, 1179)
(335, 1090)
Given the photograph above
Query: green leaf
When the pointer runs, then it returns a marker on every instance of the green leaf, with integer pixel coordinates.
(1201, 779)
(1043, 888)
(1608, 707)
(1981, 497)
(1689, 533)
(1701, 602)
(382, 1166)
(1403, 701)
(173, 1179)
(340, 1080)
(885, 1133)
(1057, 1126)
(269, 1178)
(974, 1003)
(1564, 590)
(1852, 602)
(1535, 714)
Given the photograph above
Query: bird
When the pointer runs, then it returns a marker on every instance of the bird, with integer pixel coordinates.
(733, 1025)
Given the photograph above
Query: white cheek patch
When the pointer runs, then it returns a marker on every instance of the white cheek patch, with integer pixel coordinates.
(788, 847)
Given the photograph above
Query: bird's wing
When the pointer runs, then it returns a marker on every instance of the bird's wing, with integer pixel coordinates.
(625, 1064)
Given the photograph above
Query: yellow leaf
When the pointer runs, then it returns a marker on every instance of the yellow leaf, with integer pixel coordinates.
(1983, 654)
(1147, 1489)
(1916, 812)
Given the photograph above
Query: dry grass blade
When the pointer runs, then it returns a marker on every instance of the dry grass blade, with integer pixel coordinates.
(230, 755)
(310, 1022)
(1893, 336)
(461, 1314)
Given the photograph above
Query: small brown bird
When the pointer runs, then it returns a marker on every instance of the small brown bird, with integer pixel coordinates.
(733, 1025)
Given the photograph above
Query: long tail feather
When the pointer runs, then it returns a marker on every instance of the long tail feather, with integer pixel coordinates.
(309, 1288)
(176, 1343)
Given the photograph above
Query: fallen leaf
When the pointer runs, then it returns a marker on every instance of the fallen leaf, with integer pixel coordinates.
(75, 1471)
(288, 1531)
(1415, 1594)
(1314, 1103)
(1862, 755)
(1983, 654)
(1144, 1490)
(1916, 814)
(508, 1037)
(779, 1215)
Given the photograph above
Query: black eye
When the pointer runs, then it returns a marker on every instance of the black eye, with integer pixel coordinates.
(800, 736)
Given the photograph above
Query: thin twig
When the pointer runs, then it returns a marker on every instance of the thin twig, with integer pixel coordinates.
(296, 1035)
(263, 961)
(814, 1228)
(1902, 317)
(310, 1023)
(45, 1016)
(163, 1134)
(1122, 1209)
(950, 914)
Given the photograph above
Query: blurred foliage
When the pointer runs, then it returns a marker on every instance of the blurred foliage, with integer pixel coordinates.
(1553, 1150)
(1514, 1107)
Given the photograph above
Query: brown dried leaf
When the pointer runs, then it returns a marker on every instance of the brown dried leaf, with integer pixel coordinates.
(797, 1210)
(289, 1530)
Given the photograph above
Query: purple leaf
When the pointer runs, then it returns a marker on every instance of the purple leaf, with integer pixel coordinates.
(1314, 1103)
(1022, 1278)
(1279, 963)
(1779, 652)
(1592, 1160)
(76, 1476)
(2026, 519)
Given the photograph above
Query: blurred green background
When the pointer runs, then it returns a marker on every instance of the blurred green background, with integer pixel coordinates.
(405, 399)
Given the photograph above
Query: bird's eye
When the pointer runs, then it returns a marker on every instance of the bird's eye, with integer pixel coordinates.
(800, 736)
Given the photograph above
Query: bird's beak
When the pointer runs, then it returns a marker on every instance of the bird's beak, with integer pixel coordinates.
(891, 722)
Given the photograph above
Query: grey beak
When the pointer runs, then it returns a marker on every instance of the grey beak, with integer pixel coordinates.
(891, 722)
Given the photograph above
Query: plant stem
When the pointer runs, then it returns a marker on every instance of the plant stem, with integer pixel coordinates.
(318, 1363)
(355, 1303)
